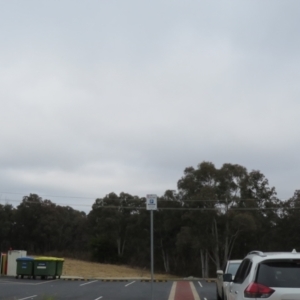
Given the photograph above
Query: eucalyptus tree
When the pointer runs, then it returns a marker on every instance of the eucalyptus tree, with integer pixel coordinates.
(166, 228)
(42, 227)
(70, 231)
(109, 223)
(259, 201)
(36, 223)
(223, 195)
(198, 192)
(288, 237)
(28, 219)
(7, 227)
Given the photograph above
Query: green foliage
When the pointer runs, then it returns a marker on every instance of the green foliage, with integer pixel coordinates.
(40, 226)
(216, 214)
(103, 249)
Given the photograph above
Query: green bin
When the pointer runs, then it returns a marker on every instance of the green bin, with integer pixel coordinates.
(24, 267)
(44, 267)
(59, 266)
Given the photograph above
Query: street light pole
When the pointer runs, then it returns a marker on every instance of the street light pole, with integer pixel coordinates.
(152, 254)
(151, 205)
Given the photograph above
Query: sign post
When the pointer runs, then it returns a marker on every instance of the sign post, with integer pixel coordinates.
(151, 205)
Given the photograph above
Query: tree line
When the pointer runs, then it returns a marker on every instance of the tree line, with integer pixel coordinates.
(214, 215)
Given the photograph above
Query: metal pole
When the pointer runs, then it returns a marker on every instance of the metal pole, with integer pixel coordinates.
(152, 255)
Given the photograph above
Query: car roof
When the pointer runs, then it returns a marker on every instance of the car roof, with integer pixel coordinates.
(259, 255)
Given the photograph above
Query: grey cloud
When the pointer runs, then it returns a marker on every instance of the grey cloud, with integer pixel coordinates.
(116, 96)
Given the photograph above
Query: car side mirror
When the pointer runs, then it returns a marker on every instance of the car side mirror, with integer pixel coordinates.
(227, 277)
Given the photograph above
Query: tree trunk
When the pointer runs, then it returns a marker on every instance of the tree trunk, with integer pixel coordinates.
(119, 246)
(204, 255)
(226, 244)
(202, 263)
(206, 263)
(216, 246)
(165, 258)
(123, 247)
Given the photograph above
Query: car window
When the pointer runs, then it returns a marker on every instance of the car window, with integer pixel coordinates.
(284, 274)
(243, 271)
(232, 268)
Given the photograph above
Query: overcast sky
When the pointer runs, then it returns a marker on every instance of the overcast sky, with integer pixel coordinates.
(101, 96)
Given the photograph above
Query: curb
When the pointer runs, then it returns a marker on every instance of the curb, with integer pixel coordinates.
(114, 280)
(208, 280)
(211, 280)
(154, 280)
(75, 279)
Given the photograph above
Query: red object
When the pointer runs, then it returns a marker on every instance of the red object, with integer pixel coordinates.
(183, 291)
(256, 290)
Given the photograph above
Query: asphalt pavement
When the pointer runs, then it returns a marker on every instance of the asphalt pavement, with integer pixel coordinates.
(96, 289)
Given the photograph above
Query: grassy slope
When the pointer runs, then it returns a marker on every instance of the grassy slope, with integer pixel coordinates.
(84, 269)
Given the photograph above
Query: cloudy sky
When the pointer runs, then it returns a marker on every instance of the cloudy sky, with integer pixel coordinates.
(101, 96)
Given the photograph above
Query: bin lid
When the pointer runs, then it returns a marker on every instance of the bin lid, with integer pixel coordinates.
(25, 258)
(60, 259)
(55, 258)
(45, 258)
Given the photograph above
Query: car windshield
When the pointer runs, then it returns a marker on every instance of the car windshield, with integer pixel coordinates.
(285, 274)
(233, 268)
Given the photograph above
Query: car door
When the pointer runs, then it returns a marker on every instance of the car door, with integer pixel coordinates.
(236, 287)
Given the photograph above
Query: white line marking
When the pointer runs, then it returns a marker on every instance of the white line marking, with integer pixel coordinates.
(24, 283)
(88, 283)
(29, 297)
(194, 292)
(173, 290)
(129, 283)
(200, 283)
(15, 282)
(50, 281)
(205, 299)
(98, 298)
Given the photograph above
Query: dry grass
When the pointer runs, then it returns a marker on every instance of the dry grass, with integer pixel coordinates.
(84, 269)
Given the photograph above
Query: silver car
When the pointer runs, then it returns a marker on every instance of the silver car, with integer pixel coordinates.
(272, 276)
(228, 274)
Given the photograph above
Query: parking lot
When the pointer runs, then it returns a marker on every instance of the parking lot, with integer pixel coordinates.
(26, 289)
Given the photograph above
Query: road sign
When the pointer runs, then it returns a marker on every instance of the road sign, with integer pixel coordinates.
(151, 202)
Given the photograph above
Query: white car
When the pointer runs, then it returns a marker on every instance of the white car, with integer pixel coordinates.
(223, 278)
(272, 276)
